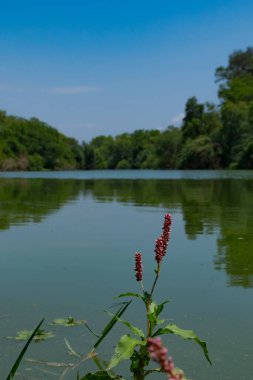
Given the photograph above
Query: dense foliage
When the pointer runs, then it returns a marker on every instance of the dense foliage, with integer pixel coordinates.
(210, 137)
(33, 145)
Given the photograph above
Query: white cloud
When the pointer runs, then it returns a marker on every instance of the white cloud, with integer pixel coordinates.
(177, 119)
(71, 90)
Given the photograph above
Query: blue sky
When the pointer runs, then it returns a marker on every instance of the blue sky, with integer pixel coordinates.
(96, 67)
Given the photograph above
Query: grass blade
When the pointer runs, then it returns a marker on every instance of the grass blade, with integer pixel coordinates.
(71, 349)
(22, 353)
(135, 330)
(86, 325)
(112, 322)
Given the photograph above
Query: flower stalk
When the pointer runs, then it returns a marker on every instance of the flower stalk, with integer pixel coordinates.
(161, 246)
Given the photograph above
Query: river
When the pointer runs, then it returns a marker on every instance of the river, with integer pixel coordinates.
(67, 248)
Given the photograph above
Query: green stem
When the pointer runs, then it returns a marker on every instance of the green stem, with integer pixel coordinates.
(152, 371)
(150, 299)
(138, 376)
(141, 373)
(97, 362)
(156, 278)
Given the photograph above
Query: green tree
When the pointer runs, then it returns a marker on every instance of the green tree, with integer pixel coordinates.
(192, 121)
(169, 147)
(236, 79)
(236, 92)
(198, 153)
(34, 145)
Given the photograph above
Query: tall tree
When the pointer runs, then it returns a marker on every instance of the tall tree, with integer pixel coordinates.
(192, 121)
(236, 93)
(236, 80)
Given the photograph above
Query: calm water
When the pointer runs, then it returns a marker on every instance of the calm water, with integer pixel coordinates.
(67, 246)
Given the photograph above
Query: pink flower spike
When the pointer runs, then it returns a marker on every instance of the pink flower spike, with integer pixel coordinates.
(138, 266)
(166, 228)
(163, 240)
(159, 249)
(159, 354)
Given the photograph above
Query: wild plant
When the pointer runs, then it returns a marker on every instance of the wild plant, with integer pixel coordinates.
(140, 346)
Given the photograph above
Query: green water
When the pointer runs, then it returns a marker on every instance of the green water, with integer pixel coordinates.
(67, 247)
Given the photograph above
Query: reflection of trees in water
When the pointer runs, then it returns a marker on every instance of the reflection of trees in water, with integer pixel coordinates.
(235, 245)
(23, 200)
(206, 205)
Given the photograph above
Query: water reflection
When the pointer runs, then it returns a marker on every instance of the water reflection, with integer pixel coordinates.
(217, 206)
(23, 201)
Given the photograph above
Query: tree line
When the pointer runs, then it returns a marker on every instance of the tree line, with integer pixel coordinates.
(210, 136)
(34, 145)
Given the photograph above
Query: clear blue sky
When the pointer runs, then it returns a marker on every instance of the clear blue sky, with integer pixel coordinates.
(93, 67)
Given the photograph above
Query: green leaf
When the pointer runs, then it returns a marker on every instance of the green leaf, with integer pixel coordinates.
(152, 312)
(112, 322)
(160, 307)
(22, 353)
(124, 349)
(40, 335)
(135, 330)
(139, 359)
(96, 335)
(160, 321)
(146, 297)
(185, 334)
(130, 294)
(68, 322)
(100, 375)
(152, 315)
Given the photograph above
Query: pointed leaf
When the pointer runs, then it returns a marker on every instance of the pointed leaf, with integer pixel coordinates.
(125, 349)
(160, 307)
(22, 353)
(160, 321)
(130, 294)
(135, 330)
(88, 327)
(185, 334)
(112, 322)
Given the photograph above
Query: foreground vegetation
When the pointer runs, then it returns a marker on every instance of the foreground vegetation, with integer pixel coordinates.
(138, 346)
(210, 137)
